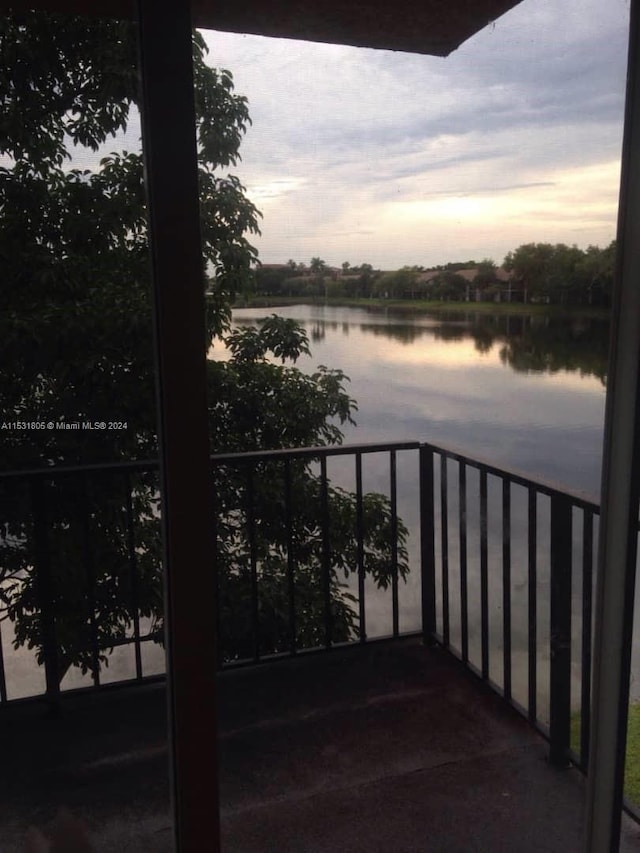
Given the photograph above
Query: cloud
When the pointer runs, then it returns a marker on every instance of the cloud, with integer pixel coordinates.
(396, 158)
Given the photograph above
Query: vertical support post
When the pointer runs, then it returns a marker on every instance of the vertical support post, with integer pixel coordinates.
(464, 592)
(326, 552)
(3, 679)
(168, 131)
(46, 601)
(291, 571)
(484, 573)
(217, 476)
(90, 572)
(133, 570)
(560, 628)
(587, 620)
(427, 546)
(362, 615)
(444, 531)
(253, 560)
(532, 583)
(615, 585)
(506, 588)
(393, 485)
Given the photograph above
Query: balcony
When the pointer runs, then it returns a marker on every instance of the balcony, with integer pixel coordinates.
(386, 747)
(442, 722)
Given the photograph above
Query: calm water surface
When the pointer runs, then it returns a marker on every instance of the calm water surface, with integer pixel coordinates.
(522, 393)
(525, 393)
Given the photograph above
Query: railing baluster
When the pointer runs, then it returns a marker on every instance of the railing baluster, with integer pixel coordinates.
(484, 574)
(91, 582)
(560, 676)
(362, 627)
(533, 604)
(291, 578)
(444, 524)
(3, 678)
(215, 532)
(427, 546)
(45, 593)
(394, 541)
(253, 562)
(326, 551)
(133, 568)
(587, 604)
(464, 601)
(506, 586)
(3, 675)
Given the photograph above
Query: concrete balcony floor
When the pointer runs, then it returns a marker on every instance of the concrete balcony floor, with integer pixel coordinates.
(389, 747)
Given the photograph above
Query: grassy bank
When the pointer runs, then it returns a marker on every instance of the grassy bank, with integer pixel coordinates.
(632, 763)
(416, 306)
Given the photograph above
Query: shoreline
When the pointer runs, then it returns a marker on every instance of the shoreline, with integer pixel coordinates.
(407, 306)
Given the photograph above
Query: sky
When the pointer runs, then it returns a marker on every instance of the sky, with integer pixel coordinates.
(391, 158)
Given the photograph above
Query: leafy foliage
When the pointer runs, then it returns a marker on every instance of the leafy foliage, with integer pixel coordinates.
(75, 313)
(541, 272)
(281, 503)
(564, 274)
(83, 549)
(261, 405)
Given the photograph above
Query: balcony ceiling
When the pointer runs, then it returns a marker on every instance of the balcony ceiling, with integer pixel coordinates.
(418, 26)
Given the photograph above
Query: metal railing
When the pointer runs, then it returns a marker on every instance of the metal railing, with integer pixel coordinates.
(57, 513)
(71, 520)
(550, 561)
(280, 470)
(488, 551)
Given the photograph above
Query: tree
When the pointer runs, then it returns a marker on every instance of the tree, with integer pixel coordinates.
(530, 265)
(400, 283)
(266, 405)
(73, 242)
(454, 266)
(486, 273)
(317, 266)
(564, 274)
(75, 324)
(366, 278)
(596, 270)
(448, 285)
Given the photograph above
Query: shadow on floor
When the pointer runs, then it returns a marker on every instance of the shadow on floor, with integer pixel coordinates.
(387, 747)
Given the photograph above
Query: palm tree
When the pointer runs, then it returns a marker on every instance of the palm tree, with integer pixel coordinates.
(317, 266)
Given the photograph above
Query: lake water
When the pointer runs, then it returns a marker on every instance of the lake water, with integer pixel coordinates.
(525, 393)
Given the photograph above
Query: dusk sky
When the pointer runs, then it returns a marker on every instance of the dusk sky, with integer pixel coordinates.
(392, 158)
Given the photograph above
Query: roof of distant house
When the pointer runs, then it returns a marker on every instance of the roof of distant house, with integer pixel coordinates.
(468, 273)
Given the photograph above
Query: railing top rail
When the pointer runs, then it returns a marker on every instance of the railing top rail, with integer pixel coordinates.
(582, 499)
(315, 452)
(92, 467)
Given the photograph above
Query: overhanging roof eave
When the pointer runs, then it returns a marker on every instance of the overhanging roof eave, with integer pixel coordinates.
(435, 27)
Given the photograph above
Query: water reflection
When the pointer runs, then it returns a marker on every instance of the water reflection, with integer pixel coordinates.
(526, 344)
(579, 347)
(523, 392)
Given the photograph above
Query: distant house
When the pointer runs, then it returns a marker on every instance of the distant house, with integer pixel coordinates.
(427, 276)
